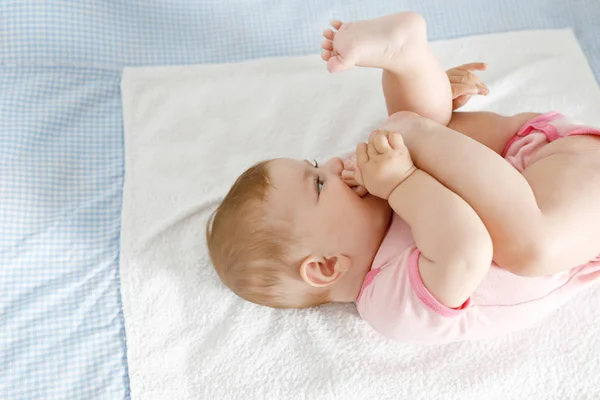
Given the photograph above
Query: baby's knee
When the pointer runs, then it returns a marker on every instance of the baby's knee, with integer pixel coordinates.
(403, 121)
(403, 115)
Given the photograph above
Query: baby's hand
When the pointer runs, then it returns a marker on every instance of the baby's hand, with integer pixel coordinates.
(383, 163)
(349, 176)
(465, 84)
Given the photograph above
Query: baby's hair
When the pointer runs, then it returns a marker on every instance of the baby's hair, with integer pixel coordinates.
(251, 252)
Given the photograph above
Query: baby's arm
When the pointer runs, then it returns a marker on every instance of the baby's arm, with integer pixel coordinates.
(500, 195)
(456, 248)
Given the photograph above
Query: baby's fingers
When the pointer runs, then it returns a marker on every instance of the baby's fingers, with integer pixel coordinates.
(461, 89)
(349, 178)
(465, 77)
(371, 150)
(349, 163)
(361, 191)
(460, 101)
(395, 140)
(476, 66)
(346, 174)
(380, 143)
(358, 177)
(361, 154)
(352, 183)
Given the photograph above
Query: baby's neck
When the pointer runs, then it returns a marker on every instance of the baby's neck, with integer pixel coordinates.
(347, 290)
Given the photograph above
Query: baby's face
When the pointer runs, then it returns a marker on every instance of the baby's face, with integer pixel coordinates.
(328, 216)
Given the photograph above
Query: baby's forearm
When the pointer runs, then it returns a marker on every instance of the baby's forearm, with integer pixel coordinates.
(500, 195)
(455, 246)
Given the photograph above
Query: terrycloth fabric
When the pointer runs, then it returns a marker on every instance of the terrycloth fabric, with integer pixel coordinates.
(189, 132)
(395, 301)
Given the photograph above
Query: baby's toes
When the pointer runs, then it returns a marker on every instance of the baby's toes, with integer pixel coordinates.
(327, 45)
(326, 55)
(328, 34)
(336, 24)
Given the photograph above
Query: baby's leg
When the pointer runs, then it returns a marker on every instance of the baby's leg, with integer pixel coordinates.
(542, 221)
(566, 185)
(413, 79)
(490, 129)
(535, 232)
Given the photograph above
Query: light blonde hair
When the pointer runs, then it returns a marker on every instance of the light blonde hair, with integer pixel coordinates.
(251, 252)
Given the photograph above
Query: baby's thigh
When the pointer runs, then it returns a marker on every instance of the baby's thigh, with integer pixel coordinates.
(566, 184)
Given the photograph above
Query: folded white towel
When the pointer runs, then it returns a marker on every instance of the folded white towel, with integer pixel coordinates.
(190, 131)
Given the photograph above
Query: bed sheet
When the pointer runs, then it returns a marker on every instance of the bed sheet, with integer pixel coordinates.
(61, 150)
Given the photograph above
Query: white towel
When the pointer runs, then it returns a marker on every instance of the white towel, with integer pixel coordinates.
(190, 131)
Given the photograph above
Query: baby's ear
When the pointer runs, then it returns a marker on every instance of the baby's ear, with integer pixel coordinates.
(323, 271)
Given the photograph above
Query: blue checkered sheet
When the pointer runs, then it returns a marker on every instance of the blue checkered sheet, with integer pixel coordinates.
(61, 150)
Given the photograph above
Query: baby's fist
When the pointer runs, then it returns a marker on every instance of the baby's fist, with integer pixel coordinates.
(383, 163)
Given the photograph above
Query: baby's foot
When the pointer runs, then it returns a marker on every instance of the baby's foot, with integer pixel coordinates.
(374, 43)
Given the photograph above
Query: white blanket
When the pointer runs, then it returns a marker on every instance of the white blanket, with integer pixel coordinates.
(190, 131)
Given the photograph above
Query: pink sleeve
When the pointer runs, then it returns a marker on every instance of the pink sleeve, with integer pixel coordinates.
(416, 282)
(396, 303)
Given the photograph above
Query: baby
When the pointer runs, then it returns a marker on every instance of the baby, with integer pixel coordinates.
(448, 226)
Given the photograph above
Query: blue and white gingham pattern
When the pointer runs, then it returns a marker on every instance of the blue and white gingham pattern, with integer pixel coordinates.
(61, 150)
(61, 173)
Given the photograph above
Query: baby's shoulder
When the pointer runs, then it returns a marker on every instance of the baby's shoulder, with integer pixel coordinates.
(397, 240)
(395, 303)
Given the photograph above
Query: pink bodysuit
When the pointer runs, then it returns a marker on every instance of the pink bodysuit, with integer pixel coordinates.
(396, 303)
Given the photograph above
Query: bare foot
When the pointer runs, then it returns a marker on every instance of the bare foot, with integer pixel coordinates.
(374, 43)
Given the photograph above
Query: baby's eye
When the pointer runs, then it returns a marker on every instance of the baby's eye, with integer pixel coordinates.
(315, 164)
(319, 185)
